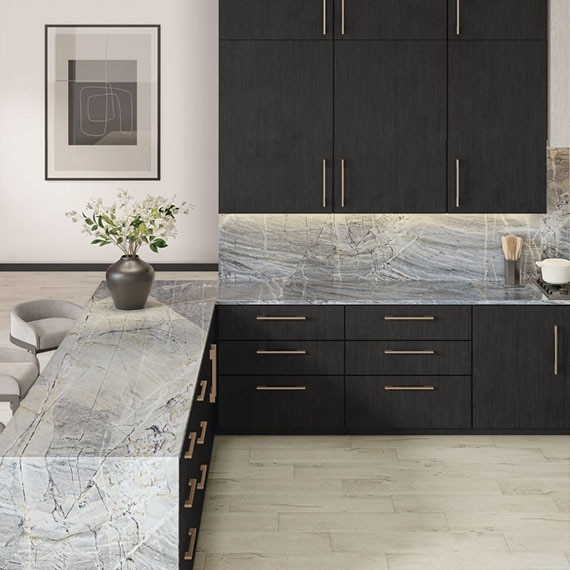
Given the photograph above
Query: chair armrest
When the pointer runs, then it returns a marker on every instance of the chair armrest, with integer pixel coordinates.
(18, 355)
(9, 387)
(21, 330)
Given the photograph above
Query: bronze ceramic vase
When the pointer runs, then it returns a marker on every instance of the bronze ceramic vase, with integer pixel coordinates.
(129, 281)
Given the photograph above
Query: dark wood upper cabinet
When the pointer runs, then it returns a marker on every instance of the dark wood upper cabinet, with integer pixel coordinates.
(520, 367)
(276, 19)
(276, 126)
(497, 122)
(498, 19)
(390, 19)
(390, 117)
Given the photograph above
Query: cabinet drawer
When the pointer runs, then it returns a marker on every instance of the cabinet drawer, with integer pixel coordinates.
(396, 402)
(280, 322)
(281, 357)
(281, 404)
(408, 357)
(413, 322)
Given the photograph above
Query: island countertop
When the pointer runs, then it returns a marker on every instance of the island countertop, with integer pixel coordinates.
(121, 384)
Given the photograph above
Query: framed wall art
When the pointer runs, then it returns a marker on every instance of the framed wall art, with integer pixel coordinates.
(102, 93)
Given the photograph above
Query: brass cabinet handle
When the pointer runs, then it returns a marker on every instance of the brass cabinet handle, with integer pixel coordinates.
(204, 470)
(409, 388)
(426, 318)
(458, 19)
(324, 17)
(192, 491)
(202, 395)
(270, 318)
(457, 182)
(555, 350)
(342, 17)
(264, 351)
(281, 388)
(214, 360)
(342, 183)
(409, 352)
(324, 183)
(190, 451)
(203, 430)
(189, 554)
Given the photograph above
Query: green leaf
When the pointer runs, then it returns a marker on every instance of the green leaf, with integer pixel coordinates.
(94, 227)
(153, 248)
(100, 222)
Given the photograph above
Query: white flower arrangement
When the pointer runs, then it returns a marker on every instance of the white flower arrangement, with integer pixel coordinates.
(129, 225)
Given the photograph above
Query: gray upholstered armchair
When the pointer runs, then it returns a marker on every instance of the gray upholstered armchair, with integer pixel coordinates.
(42, 324)
(18, 372)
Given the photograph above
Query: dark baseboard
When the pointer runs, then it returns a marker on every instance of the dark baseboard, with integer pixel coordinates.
(103, 266)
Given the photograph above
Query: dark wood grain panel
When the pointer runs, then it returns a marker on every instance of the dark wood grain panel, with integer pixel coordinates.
(275, 126)
(499, 19)
(245, 409)
(514, 385)
(370, 407)
(390, 126)
(380, 322)
(498, 126)
(241, 357)
(274, 19)
(319, 322)
(369, 357)
(392, 19)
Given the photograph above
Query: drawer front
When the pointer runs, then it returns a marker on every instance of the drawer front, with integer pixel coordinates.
(281, 357)
(396, 402)
(280, 322)
(281, 404)
(408, 357)
(413, 322)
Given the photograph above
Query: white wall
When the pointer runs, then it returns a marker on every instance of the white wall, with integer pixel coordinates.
(32, 223)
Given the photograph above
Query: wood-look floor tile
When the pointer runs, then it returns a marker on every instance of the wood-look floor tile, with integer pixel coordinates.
(308, 562)
(474, 504)
(562, 501)
(362, 522)
(535, 485)
(366, 470)
(392, 542)
(473, 454)
(421, 441)
(225, 469)
(296, 543)
(285, 441)
(238, 487)
(239, 522)
(503, 522)
(321, 454)
(539, 536)
(481, 561)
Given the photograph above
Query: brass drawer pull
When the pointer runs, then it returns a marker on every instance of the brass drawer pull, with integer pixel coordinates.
(270, 318)
(189, 554)
(190, 500)
(264, 351)
(324, 183)
(426, 318)
(419, 352)
(342, 19)
(190, 451)
(457, 180)
(409, 388)
(214, 361)
(342, 167)
(203, 428)
(458, 19)
(324, 17)
(202, 483)
(555, 350)
(202, 395)
(281, 388)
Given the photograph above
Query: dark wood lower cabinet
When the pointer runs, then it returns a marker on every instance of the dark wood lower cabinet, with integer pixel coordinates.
(281, 404)
(384, 403)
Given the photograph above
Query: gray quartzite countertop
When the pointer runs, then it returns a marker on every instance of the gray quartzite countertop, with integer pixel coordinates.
(379, 293)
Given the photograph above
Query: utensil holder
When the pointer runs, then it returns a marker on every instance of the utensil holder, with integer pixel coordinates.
(512, 272)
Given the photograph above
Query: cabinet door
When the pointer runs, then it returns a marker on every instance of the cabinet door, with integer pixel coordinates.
(516, 383)
(275, 127)
(498, 19)
(497, 127)
(275, 19)
(391, 19)
(390, 117)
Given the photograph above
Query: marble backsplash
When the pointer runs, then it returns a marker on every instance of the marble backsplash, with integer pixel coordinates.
(370, 247)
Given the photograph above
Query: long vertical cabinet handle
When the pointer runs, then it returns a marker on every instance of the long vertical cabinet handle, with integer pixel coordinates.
(342, 183)
(555, 350)
(458, 19)
(457, 182)
(324, 182)
(342, 17)
(324, 17)
(214, 360)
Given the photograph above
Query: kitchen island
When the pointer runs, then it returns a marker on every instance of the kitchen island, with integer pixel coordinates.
(90, 461)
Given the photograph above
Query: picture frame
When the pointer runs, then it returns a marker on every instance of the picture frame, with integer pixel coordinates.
(102, 102)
